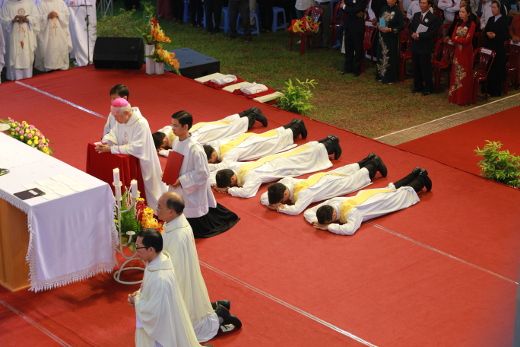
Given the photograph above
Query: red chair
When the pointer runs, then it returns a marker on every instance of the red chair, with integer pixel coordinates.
(442, 57)
(368, 45)
(443, 31)
(439, 13)
(479, 40)
(512, 67)
(305, 39)
(337, 21)
(483, 58)
(405, 53)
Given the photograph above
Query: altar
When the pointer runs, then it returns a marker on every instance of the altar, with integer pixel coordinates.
(62, 237)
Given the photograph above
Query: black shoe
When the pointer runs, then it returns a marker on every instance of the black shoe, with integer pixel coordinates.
(227, 318)
(427, 180)
(259, 116)
(416, 91)
(426, 93)
(416, 171)
(363, 162)
(381, 167)
(331, 143)
(301, 127)
(225, 303)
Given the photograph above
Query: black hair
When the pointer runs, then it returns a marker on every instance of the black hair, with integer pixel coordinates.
(121, 90)
(184, 118)
(275, 192)
(158, 138)
(151, 238)
(176, 204)
(324, 214)
(223, 178)
(209, 150)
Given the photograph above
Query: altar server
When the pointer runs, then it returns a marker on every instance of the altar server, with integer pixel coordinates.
(179, 242)
(161, 316)
(206, 217)
(249, 146)
(21, 23)
(321, 186)
(343, 216)
(205, 132)
(244, 179)
(131, 135)
(117, 91)
(54, 43)
(2, 46)
(82, 24)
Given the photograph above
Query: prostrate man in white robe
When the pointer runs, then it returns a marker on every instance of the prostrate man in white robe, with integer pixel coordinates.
(206, 217)
(244, 179)
(249, 146)
(54, 42)
(205, 132)
(300, 193)
(343, 216)
(21, 23)
(161, 316)
(117, 91)
(179, 242)
(131, 136)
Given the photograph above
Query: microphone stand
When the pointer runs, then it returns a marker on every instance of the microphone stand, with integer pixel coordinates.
(88, 34)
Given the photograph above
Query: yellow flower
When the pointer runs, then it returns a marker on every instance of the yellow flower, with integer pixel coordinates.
(29, 142)
(21, 137)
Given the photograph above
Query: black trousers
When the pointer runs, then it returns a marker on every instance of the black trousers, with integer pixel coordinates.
(234, 7)
(196, 12)
(422, 72)
(353, 51)
(213, 10)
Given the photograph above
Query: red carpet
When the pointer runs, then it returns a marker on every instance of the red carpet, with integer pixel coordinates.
(441, 273)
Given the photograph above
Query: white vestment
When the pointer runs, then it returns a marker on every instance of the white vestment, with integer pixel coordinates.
(343, 180)
(180, 244)
(194, 173)
(2, 47)
(298, 161)
(82, 43)
(54, 42)
(249, 146)
(20, 37)
(111, 121)
(377, 205)
(135, 138)
(161, 314)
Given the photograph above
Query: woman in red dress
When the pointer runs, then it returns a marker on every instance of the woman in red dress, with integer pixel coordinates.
(461, 84)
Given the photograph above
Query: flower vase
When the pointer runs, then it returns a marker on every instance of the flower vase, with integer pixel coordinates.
(159, 68)
(150, 63)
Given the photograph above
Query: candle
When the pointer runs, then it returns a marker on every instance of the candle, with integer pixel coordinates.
(118, 192)
(133, 186)
(116, 175)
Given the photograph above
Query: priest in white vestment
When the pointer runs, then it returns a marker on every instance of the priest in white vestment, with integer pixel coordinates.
(206, 217)
(244, 179)
(161, 316)
(82, 31)
(2, 47)
(21, 23)
(131, 136)
(179, 242)
(54, 43)
(344, 215)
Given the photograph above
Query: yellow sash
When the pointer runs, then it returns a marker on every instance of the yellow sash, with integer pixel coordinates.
(197, 126)
(350, 203)
(301, 186)
(232, 144)
(246, 168)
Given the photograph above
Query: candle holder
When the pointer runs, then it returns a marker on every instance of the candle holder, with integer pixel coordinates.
(130, 234)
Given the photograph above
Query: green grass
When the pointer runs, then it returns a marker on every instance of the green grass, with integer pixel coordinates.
(360, 105)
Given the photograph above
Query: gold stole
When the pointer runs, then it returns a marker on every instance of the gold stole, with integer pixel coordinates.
(232, 144)
(246, 168)
(197, 126)
(301, 186)
(350, 203)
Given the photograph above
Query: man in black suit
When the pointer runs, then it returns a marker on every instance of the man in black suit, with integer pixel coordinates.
(354, 34)
(423, 28)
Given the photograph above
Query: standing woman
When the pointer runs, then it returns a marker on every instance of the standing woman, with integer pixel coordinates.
(388, 43)
(461, 84)
(497, 32)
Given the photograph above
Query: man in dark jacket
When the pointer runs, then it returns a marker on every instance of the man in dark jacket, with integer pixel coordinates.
(354, 33)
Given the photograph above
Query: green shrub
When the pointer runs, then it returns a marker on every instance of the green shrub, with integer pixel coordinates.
(125, 24)
(500, 166)
(296, 96)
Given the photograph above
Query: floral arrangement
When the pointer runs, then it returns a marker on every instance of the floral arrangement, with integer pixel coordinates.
(305, 25)
(162, 55)
(27, 134)
(154, 37)
(156, 34)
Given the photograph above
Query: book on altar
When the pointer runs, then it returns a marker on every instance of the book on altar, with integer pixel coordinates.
(173, 167)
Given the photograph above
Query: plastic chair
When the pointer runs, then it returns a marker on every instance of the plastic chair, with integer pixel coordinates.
(186, 14)
(483, 57)
(368, 45)
(333, 5)
(314, 13)
(224, 23)
(442, 58)
(512, 67)
(405, 53)
(276, 25)
(443, 31)
(336, 22)
(255, 29)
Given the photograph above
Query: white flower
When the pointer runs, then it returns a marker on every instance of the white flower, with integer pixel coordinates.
(426, 20)
(392, 13)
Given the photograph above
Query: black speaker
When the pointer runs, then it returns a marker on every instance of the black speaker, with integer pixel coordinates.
(119, 53)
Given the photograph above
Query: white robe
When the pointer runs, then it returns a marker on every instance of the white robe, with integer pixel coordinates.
(343, 180)
(292, 163)
(2, 47)
(111, 121)
(135, 138)
(82, 44)
(20, 37)
(253, 147)
(180, 244)
(375, 206)
(160, 309)
(54, 42)
(194, 173)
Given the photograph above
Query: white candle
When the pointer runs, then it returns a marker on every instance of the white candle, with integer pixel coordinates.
(133, 186)
(116, 175)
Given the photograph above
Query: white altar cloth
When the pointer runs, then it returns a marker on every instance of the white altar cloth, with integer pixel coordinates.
(72, 237)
